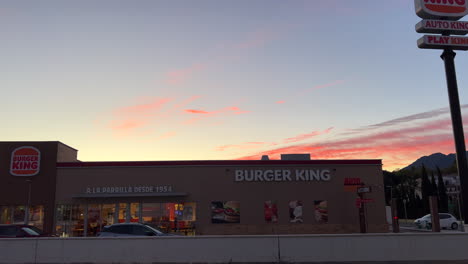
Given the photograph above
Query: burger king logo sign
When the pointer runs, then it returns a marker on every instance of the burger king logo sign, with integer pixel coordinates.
(448, 9)
(25, 161)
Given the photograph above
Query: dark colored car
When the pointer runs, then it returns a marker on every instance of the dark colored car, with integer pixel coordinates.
(12, 231)
(129, 230)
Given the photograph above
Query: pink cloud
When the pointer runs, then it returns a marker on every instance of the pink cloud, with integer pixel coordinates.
(309, 90)
(257, 39)
(180, 76)
(193, 111)
(126, 125)
(398, 142)
(186, 102)
(153, 106)
(247, 145)
(167, 135)
(148, 115)
(317, 87)
(254, 40)
(306, 136)
(205, 114)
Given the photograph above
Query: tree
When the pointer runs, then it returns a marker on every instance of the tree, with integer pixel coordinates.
(426, 190)
(443, 197)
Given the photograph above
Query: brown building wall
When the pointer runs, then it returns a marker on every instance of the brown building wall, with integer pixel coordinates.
(206, 183)
(66, 153)
(14, 189)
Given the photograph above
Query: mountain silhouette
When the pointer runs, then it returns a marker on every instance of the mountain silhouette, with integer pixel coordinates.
(434, 160)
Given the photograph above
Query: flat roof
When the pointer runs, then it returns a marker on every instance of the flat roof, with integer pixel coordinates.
(215, 163)
(29, 142)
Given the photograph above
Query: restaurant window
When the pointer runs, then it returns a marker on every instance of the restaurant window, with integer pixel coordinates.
(5, 215)
(36, 216)
(134, 212)
(69, 220)
(94, 219)
(170, 217)
(19, 214)
(122, 212)
(108, 214)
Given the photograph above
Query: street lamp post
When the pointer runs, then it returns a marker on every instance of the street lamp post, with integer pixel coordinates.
(406, 214)
(28, 205)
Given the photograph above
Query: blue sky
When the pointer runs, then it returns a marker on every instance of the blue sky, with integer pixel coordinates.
(178, 80)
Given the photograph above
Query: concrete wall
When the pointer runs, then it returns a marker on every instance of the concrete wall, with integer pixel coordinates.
(232, 249)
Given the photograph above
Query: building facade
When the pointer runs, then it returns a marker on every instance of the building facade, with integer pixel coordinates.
(231, 197)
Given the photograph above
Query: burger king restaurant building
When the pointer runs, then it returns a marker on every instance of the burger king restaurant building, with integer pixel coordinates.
(44, 184)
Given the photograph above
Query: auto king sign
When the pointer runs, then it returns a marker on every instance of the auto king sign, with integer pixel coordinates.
(440, 17)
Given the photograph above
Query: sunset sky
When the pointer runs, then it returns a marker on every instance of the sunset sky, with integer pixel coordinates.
(217, 80)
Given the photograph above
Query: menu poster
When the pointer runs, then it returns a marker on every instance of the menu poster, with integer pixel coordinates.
(295, 211)
(270, 209)
(225, 212)
(321, 211)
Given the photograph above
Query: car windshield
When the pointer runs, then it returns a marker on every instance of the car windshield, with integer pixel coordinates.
(155, 230)
(30, 231)
(35, 229)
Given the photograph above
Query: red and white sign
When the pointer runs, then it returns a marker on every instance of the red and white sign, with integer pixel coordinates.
(446, 9)
(25, 161)
(442, 26)
(443, 42)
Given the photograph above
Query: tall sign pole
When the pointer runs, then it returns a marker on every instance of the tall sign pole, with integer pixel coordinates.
(457, 123)
(447, 13)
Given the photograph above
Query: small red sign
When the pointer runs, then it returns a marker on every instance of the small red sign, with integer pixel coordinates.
(25, 161)
(358, 203)
(367, 200)
(352, 181)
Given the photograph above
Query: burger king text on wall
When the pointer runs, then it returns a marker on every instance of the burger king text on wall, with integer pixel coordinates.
(282, 175)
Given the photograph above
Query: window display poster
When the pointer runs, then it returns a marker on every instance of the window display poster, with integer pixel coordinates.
(321, 211)
(295, 211)
(271, 211)
(225, 212)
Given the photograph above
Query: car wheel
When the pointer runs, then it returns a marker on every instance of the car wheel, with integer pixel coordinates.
(454, 226)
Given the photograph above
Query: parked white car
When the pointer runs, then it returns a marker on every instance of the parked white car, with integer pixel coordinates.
(446, 221)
